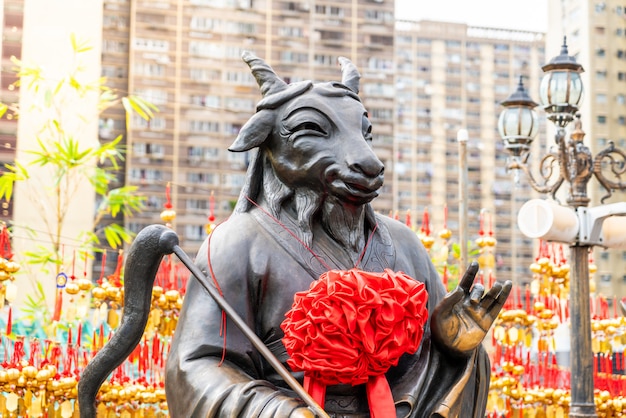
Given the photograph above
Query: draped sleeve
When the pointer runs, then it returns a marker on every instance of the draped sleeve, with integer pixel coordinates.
(212, 375)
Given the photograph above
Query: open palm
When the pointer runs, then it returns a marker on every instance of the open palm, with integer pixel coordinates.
(461, 320)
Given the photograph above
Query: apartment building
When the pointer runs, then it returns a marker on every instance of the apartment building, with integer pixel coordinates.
(449, 77)
(596, 36)
(185, 57)
(11, 22)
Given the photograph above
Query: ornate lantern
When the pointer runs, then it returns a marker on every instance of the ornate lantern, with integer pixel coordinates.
(561, 88)
(518, 122)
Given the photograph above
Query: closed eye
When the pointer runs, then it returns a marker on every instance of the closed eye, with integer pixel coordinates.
(309, 126)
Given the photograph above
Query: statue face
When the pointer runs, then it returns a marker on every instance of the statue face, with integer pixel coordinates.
(323, 142)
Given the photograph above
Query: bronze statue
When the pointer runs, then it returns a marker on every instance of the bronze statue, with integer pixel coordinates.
(305, 209)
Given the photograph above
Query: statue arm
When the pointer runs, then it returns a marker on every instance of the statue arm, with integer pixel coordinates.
(198, 382)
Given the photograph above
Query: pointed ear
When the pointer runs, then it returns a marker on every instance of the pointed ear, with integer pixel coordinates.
(255, 131)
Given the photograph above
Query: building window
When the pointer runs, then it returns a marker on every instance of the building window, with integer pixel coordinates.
(329, 10)
(601, 75)
(601, 119)
(599, 30)
(600, 98)
(600, 52)
(453, 44)
(194, 232)
(600, 7)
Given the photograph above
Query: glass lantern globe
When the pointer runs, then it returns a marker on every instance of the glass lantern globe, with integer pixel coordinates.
(561, 88)
(518, 123)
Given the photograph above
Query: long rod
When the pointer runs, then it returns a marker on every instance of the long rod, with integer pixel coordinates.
(245, 329)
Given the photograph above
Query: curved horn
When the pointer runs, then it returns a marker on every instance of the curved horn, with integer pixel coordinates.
(142, 263)
(350, 75)
(265, 76)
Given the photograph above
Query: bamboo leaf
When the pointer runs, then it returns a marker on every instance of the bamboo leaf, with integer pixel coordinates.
(113, 238)
(78, 45)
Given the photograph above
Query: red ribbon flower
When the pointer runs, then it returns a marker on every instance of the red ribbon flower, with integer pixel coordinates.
(350, 327)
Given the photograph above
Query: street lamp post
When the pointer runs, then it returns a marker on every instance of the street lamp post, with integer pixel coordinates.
(462, 137)
(569, 160)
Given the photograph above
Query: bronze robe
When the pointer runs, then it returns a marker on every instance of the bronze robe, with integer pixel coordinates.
(259, 267)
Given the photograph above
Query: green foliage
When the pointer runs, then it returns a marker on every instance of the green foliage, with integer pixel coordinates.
(64, 153)
(448, 257)
(43, 256)
(15, 173)
(35, 308)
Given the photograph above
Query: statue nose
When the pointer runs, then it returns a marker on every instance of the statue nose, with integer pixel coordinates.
(370, 166)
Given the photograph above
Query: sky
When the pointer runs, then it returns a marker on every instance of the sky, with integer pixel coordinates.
(505, 14)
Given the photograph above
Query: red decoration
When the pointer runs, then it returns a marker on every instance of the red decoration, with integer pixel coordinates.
(211, 208)
(168, 198)
(350, 327)
(5, 242)
(425, 229)
(10, 321)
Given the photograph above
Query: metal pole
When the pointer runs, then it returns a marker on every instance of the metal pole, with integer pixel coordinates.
(581, 355)
(514, 278)
(462, 136)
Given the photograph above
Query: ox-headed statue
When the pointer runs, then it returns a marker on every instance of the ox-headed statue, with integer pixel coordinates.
(305, 209)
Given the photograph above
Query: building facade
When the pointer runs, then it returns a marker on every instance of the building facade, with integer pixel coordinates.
(185, 57)
(422, 82)
(12, 23)
(449, 77)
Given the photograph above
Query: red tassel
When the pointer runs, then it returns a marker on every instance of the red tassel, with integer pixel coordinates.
(101, 338)
(58, 305)
(211, 207)
(10, 321)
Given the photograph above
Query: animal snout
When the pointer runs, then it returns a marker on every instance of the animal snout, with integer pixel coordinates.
(370, 167)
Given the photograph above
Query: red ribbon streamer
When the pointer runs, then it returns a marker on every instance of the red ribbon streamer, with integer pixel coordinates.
(379, 397)
(377, 388)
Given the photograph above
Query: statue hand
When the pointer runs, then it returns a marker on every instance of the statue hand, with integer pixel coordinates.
(461, 320)
(302, 412)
